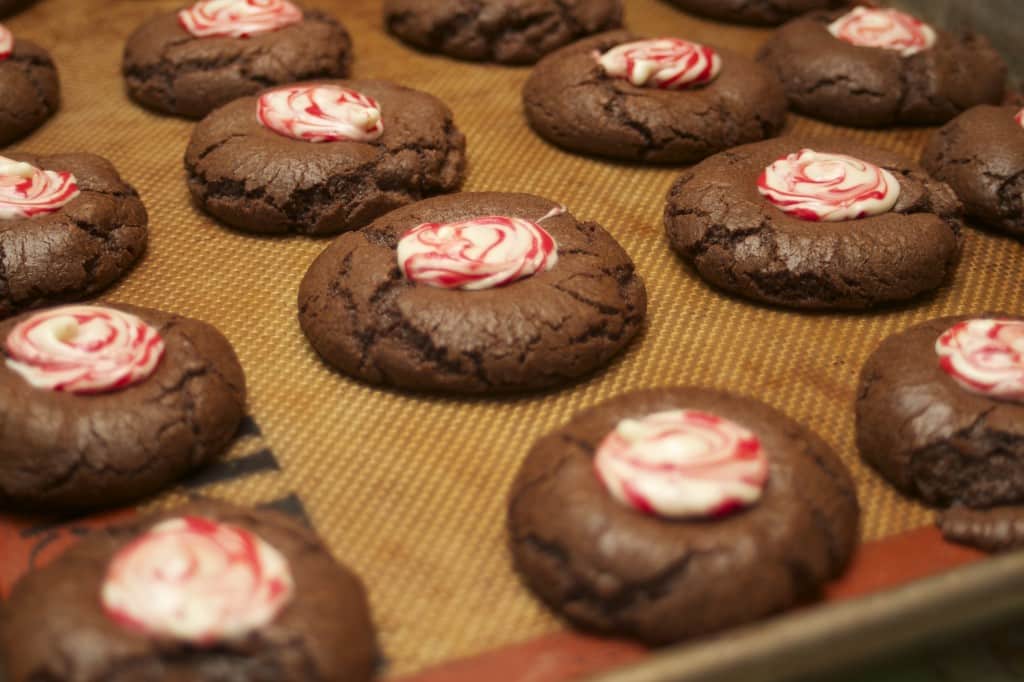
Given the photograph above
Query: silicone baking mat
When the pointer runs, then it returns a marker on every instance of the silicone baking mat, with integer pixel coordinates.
(408, 489)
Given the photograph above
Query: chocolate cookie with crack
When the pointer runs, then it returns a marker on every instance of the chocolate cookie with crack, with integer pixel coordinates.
(826, 224)
(881, 67)
(103, 405)
(205, 592)
(940, 414)
(665, 100)
(29, 87)
(323, 157)
(505, 31)
(473, 293)
(756, 12)
(191, 61)
(69, 227)
(672, 513)
(980, 154)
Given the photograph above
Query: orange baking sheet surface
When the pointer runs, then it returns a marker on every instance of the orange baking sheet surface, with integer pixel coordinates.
(410, 490)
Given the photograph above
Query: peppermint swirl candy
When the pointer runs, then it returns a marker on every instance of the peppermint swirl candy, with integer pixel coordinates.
(480, 253)
(666, 63)
(6, 42)
(831, 187)
(197, 580)
(27, 191)
(1019, 118)
(83, 349)
(889, 29)
(682, 464)
(237, 18)
(320, 113)
(985, 357)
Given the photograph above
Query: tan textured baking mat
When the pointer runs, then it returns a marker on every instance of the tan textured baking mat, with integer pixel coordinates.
(410, 490)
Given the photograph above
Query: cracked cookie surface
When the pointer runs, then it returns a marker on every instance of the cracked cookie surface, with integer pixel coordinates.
(835, 81)
(980, 154)
(65, 452)
(505, 31)
(257, 180)
(757, 12)
(931, 438)
(366, 319)
(168, 70)
(609, 568)
(570, 101)
(53, 627)
(741, 243)
(29, 90)
(80, 249)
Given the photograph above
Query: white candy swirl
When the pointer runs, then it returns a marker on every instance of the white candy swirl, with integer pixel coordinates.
(27, 191)
(831, 187)
(1019, 118)
(666, 63)
(889, 29)
(320, 113)
(237, 18)
(682, 464)
(6, 42)
(197, 580)
(985, 357)
(480, 253)
(83, 349)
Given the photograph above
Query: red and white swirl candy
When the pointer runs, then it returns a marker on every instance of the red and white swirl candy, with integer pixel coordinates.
(666, 63)
(889, 29)
(1019, 118)
(6, 42)
(27, 191)
(682, 464)
(320, 113)
(197, 580)
(830, 187)
(83, 349)
(985, 356)
(480, 253)
(237, 18)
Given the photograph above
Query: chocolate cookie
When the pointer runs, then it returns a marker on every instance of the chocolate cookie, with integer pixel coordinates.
(76, 229)
(11, 6)
(665, 100)
(980, 154)
(268, 165)
(939, 411)
(915, 74)
(845, 226)
(671, 513)
(105, 405)
(206, 592)
(29, 88)
(757, 12)
(194, 60)
(472, 293)
(510, 32)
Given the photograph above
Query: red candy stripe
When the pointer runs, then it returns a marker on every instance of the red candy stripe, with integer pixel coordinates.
(237, 18)
(888, 29)
(320, 113)
(6, 42)
(197, 580)
(27, 191)
(666, 63)
(682, 463)
(83, 349)
(813, 185)
(1020, 118)
(985, 356)
(481, 253)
